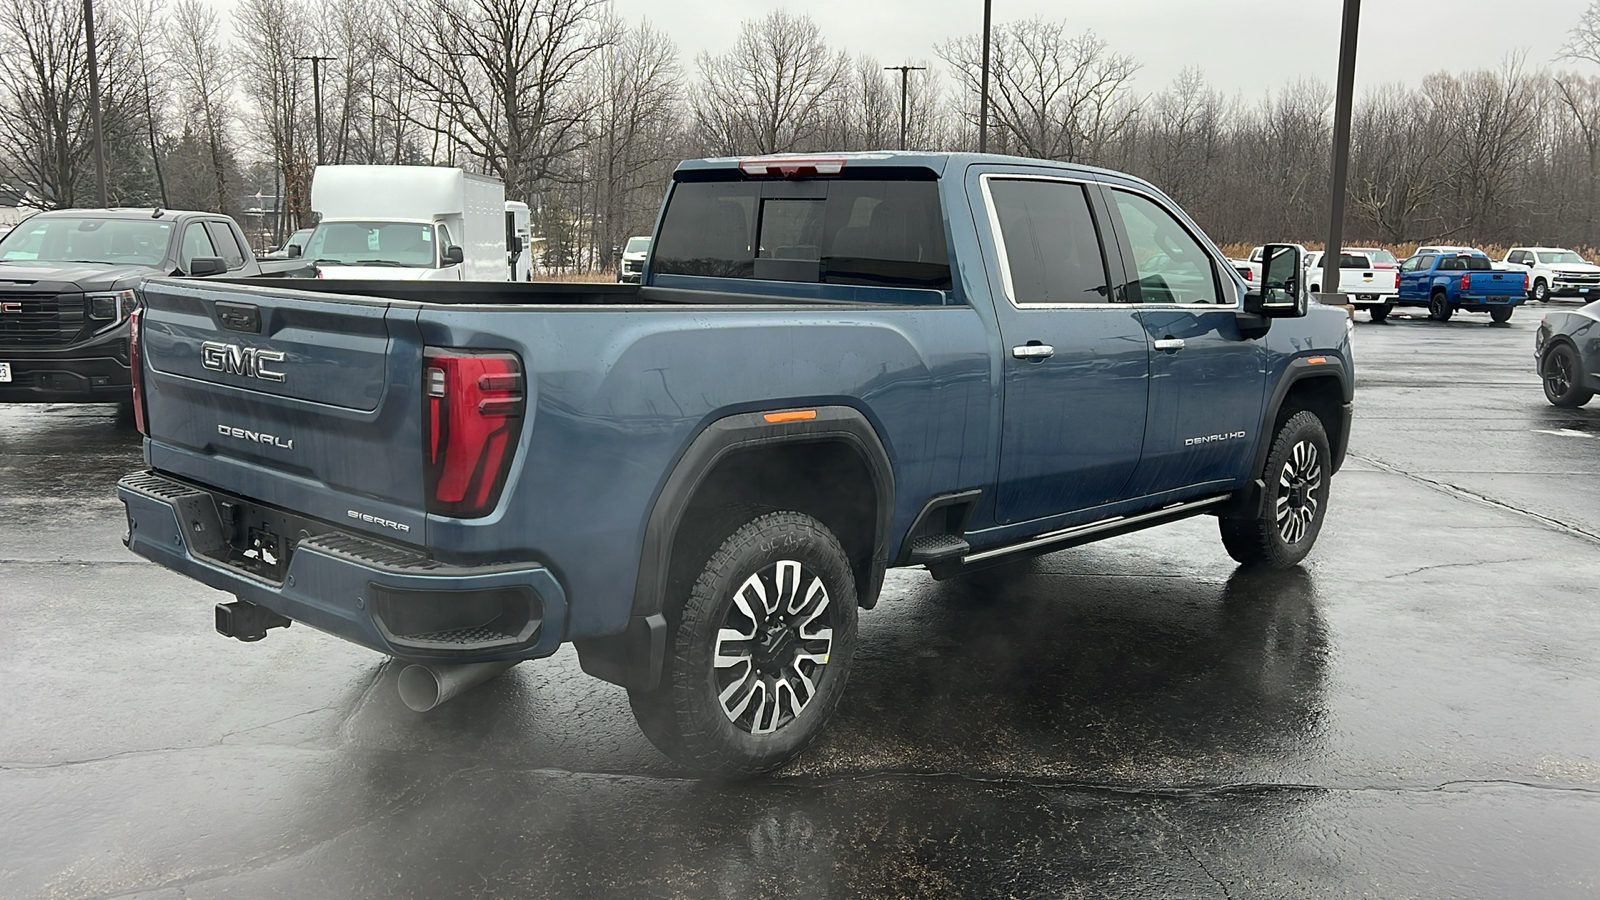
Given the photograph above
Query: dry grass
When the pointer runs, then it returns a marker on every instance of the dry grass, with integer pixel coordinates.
(603, 277)
(1401, 251)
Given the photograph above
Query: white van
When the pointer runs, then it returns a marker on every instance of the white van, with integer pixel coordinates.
(408, 223)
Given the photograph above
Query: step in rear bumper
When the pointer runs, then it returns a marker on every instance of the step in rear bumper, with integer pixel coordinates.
(343, 583)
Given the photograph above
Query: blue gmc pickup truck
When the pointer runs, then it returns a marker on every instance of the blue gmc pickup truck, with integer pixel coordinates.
(833, 365)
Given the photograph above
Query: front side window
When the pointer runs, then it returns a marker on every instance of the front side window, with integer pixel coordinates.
(222, 237)
(849, 231)
(1518, 256)
(1051, 245)
(1171, 265)
(196, 243)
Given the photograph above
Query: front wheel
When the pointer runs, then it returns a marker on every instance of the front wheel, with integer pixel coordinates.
(1439, 308)
(1380, 312)
(1502, 313)
(1541, 291)
(1284, 528)
(1562, 374)
(757, 652)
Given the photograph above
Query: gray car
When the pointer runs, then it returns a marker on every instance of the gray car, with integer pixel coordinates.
(1568, 349)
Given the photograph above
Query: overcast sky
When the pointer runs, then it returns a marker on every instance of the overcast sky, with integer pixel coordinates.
(1240, 45)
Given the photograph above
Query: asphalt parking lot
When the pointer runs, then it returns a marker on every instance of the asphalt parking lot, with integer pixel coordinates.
(1412, 713)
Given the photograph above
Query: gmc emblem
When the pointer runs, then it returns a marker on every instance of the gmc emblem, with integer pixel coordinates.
(232, 359)
(11, 306)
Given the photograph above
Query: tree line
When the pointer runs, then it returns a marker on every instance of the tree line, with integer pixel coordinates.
(583, 115)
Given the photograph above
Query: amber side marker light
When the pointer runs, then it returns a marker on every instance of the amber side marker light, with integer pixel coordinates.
(1317, 360)
(793, 415)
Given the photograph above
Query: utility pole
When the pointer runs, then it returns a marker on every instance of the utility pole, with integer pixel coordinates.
(94, 105)
(1341, 146)
(316, 93)
(904, 71)
(983, 87)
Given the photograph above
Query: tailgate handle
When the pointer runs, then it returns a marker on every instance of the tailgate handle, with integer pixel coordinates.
(244, 318)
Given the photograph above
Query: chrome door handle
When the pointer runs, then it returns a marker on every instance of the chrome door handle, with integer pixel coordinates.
(1033, 351)
(1169, 344)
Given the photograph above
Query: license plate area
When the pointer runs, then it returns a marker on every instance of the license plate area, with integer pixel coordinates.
(5, 373)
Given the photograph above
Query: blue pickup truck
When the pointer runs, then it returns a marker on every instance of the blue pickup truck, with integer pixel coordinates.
(832, 366)
(1447, 281)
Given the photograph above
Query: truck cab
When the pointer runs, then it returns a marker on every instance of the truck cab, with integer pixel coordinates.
(408, 223)
(67, 280)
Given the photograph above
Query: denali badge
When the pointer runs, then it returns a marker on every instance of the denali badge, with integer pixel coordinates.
(232, 359)
(1230, 436)
(259, 437)
(376, 520)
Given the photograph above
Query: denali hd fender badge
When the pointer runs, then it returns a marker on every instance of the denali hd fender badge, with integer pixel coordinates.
(233, 359)
(258, 437)
(377, 520)
(1230, 436)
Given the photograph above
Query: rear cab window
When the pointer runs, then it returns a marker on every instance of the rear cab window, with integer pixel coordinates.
(865, 231)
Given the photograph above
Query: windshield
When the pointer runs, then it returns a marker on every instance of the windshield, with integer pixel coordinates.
(637, 245)
(139, 242)
(403, 244)
(1560, 256)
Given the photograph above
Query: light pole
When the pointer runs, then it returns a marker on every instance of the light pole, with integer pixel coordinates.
(316, 93)
(94, 105)
(1341, 146)
(983, 87)
(904, 71)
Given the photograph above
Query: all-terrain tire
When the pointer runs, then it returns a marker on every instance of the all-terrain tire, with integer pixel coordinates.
(1439, 308)
(1293, 503)
(758, 649)
(1562, 374)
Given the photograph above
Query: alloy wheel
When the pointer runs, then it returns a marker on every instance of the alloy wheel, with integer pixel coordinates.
(1558, 374)
(773, 647)
(1299, 483)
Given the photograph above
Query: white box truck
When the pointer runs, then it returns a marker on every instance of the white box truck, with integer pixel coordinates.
(408, 223)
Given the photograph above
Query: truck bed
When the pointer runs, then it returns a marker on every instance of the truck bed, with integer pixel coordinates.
(558, 293)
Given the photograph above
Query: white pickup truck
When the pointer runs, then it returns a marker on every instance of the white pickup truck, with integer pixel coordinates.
(1369, 287)
(1555, 272)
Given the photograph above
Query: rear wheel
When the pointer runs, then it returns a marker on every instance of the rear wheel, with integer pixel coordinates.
(1502, 313)
(1380, 312)
(1284, 528)
(1439, 307)
(1562, 374)
(758, 650)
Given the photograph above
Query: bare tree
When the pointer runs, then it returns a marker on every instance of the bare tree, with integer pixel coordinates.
(1053, 95)
(277, 85)
(504, 80)
(204, 76)
(772, 92)
(43, 116)
(144, 22)
(637, 115)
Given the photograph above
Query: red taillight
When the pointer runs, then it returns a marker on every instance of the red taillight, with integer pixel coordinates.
(791, 166)
(1248, 275)
(472, 412)
(136, 365)
(1397, 279)
(1465, 280)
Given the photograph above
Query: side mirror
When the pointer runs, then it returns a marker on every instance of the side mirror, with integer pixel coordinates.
(1282, 293)
(294, 251)
(201, 266)
(1528, 263)
(453, 256)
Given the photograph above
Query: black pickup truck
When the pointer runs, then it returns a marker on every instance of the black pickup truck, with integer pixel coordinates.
(66, 288)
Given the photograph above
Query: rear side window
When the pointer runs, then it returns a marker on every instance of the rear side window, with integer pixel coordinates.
(861, 232)
(1051, 243)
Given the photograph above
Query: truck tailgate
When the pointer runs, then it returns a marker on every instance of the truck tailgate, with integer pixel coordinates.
(288, 398)
(1497, 284)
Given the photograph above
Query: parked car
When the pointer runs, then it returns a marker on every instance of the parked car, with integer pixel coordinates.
(1438, 249)
(631, 265)
(1368, 287)
(1253, 263)
(293, 248)
(1555, 272)
(1460, 280)
(1381, 259)
(835, 365)
(1567, 347)
(66, 290)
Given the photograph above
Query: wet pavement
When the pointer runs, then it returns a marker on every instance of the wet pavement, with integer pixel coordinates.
(1415, 712)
